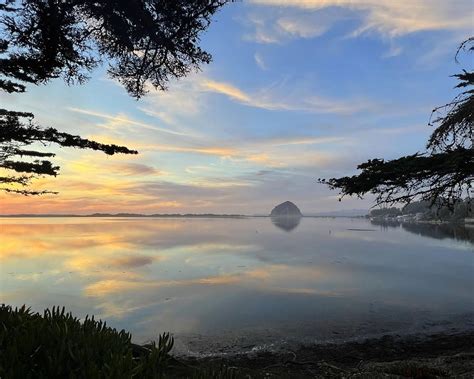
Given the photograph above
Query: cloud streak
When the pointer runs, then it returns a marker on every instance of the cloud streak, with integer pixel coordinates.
(260, 62)
(386, 17)
(305, 103)
(122, 120)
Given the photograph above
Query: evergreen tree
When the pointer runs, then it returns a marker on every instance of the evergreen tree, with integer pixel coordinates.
(142, 41)
(441, 175)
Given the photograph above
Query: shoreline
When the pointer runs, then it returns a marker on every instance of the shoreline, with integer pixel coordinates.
(433, 355)
(469, 222)
(93, 347)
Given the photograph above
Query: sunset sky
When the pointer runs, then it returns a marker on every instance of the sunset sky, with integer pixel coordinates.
(297, 90)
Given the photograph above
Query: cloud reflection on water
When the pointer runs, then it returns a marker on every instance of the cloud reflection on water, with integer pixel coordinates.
(214, 275)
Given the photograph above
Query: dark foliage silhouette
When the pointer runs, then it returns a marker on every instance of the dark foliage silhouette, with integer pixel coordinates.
(17, 131)
(56, 344)
(144, 42)
(442, 175)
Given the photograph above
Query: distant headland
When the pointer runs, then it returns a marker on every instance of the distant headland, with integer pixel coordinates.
(285, 209)
(160, 215)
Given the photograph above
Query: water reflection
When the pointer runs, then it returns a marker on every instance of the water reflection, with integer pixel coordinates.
(438, 231)
(286, 223)
(217, 280)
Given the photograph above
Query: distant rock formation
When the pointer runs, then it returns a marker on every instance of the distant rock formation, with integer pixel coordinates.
(286, 209)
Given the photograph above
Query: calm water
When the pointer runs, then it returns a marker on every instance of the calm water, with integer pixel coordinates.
(243, 284)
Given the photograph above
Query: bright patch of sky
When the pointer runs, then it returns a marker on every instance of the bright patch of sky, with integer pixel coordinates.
(297, 90)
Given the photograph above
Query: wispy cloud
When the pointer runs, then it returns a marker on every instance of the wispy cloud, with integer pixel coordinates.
(260, 62)
(219, 151)
(138, 169)
(387, 17)
(273, 152)
(285, 141)
(228, 90)
(184, 100)
(275, 28)
(189, 100)
(268, 100)
(303, 28)
(122, 120)
(234, 137)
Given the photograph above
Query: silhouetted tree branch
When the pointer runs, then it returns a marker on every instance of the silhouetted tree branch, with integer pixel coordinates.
(18, 131)
(143, 41)
(442, 175)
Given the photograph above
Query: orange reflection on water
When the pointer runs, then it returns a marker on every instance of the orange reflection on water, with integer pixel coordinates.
(189, 275)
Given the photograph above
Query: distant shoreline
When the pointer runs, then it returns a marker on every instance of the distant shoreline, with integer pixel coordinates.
(119, 215)
(229, 216)
(178, 215)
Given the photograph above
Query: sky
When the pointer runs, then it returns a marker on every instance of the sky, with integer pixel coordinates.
(297, 90)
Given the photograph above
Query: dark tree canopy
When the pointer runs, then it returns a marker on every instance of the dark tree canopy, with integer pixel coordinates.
(142, 41)
(441, 175)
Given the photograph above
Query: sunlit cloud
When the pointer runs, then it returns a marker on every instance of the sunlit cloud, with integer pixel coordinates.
(306, 103)
(242, 133)
(304, 140)
(184, 100)
(277, 28)
(88, 185)
(227, 89)
(189, 99)
(135, 169)
(205, 150)
(386, 17)
(123, 120)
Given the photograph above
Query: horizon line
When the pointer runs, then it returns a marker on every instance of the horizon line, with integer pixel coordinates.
(127, 214)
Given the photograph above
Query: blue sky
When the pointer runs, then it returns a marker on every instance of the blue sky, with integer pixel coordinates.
(297, 90)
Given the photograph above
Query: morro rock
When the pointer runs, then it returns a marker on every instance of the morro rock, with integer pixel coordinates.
(286, 209)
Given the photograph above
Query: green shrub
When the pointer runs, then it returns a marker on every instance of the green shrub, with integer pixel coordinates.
(58, 345)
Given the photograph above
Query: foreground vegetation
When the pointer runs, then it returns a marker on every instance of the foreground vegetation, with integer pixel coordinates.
(57, 345)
